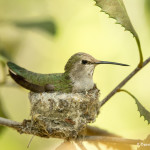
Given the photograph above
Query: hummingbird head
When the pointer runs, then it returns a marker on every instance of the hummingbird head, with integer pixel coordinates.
(80, 68)
(81, 62)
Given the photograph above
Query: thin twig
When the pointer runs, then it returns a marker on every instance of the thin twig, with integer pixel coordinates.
(111, 140)
(26, 127)
(9, 123)
(30, 141)
(122, 83)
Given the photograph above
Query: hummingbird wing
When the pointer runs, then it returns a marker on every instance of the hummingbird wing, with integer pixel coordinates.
(30, 86)
(37, 82)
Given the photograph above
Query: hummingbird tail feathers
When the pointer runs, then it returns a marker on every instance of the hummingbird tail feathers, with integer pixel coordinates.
(16, 69)
(30, 86)
(25, 78)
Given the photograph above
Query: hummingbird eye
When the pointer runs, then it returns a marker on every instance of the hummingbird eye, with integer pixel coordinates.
(84, 62)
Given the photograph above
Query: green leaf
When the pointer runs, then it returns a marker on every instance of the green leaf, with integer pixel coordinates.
(48, 25)
(116, 9)
(143, 111)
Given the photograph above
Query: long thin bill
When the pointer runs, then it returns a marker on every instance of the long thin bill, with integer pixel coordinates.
(113, 63)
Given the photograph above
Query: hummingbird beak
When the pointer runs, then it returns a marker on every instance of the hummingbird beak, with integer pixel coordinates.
(108, 62)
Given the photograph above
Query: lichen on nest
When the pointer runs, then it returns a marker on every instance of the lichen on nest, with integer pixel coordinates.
(64, 115)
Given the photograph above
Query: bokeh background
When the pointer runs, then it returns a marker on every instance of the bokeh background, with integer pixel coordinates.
(41, 35)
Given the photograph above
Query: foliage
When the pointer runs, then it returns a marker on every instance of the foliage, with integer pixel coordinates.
(47, 25)
(142, 110)
(147, 10)
(116, 9)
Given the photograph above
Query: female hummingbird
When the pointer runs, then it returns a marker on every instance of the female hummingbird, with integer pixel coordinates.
(77, 77)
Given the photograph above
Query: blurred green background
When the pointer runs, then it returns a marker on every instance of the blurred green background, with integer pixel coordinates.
(65, 27)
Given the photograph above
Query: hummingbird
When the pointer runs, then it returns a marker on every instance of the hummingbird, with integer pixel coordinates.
(77, 76)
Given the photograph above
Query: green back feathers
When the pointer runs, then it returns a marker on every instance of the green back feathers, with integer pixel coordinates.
(60, 81)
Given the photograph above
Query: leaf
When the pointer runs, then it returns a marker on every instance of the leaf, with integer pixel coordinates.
(116, 9)
(143, 111)
(48, 25)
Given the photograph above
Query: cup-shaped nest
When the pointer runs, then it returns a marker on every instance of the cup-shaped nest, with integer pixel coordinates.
(64, 115)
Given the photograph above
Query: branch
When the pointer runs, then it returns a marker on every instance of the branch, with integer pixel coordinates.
(111, 140)
(27, 127)
(9, 123)
(122, 83)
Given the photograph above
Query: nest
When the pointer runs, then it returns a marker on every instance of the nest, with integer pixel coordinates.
(64, 115)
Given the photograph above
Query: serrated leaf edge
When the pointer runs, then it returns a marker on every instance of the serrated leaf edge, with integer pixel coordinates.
(133, 33)
(137, 103)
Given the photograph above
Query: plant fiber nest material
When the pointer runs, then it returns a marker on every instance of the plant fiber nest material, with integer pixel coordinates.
(64, 115)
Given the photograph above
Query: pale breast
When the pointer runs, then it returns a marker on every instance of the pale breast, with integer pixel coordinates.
(83, 84)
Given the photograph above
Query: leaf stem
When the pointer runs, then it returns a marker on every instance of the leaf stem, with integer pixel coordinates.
(123, 90)
(122, 83)
(140, 51)
(142, 110)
